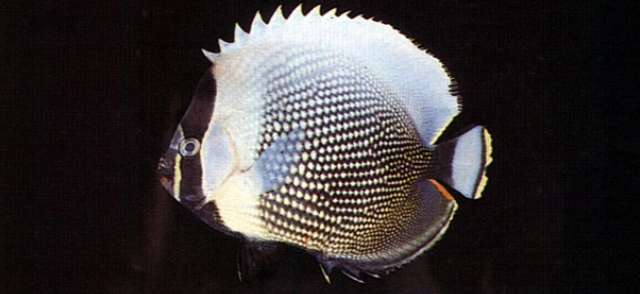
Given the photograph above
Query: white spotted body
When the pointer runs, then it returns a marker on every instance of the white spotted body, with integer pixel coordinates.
(319, 133)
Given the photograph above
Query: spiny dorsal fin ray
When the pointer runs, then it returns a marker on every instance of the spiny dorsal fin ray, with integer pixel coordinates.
(209, 55)
(418, 79)
(277, 16)
(314, 11)
(222, 44)
(331, 12)
(296, 13)
(257, 24)
(239, 34)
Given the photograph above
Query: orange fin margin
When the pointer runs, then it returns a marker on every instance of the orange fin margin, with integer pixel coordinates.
(443, 191)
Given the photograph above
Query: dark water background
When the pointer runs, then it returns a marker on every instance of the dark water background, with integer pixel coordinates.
(105, 84)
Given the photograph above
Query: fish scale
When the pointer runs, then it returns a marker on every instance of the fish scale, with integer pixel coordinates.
(351, 121)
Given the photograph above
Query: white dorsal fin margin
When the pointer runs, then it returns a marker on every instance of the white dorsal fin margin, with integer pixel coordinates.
(296, 13)
(257, 25)
(209, 55)
(314, 11)
(277, 16)
(239, 34)
(331, 13)
(222, 44)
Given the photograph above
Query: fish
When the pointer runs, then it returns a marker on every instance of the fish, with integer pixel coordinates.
(320, 131)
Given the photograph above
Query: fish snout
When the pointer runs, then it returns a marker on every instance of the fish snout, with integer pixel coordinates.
(165, 172)
(166, 169)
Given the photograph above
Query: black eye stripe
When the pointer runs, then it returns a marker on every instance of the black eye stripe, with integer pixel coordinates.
(195, 122)
(194, 125)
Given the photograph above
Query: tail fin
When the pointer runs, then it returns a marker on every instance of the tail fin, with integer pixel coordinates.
(461, 163)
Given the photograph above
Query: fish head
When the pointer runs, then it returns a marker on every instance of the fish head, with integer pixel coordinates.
(199, 156)
(209, 165)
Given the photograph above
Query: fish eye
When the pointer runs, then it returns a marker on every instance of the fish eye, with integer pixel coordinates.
(189, 147)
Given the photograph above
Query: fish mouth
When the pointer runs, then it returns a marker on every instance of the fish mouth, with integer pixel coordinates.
(165, 173)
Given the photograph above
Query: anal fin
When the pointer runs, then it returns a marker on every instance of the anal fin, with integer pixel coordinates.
(434, 209)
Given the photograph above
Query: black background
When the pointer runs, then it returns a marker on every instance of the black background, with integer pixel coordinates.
(95, 91)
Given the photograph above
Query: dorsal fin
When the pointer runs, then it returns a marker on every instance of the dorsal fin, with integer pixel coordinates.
(277, 16)
(418, 79)
(257, 24)
(222, 44)
(296, 13)
(239, 34)
(209, 55)
(331, 12)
